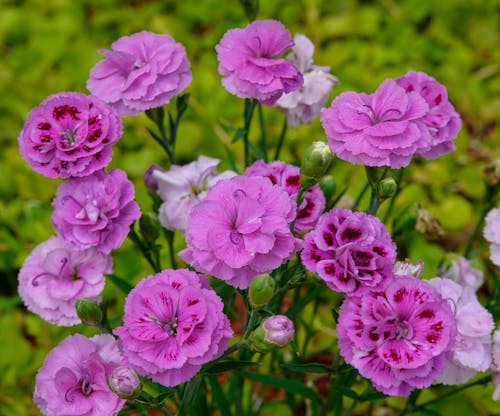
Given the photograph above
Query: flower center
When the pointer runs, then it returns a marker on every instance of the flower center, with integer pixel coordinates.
(235, 237)
(84, 386)
(403, 330)
(60, 275)
(69, 136)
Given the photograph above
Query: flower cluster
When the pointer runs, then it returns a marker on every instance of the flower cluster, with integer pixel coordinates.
(74, 378)
(403, 118)
(351, 251)
(173, 324)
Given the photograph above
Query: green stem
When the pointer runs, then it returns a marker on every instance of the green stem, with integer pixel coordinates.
(281, 139)
(393, 198)
(374, 203)
(248, 111)
(146, 252)
(300, 197)
(263, 139)
(361, 195)
(170, 241)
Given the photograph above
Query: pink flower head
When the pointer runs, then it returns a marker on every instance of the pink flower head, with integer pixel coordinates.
(304, 104)
(69, 134)
(241, 229)
(492, 234)
(442, 121)
(351, 251)
(56, 274)
(460, 270)
(471, 351)
(278, 330)
(495, 367)
(288, 177)
(248, 60)
(398, 338)
(183, 187)
(73, 380)
(173, 324)
(382, 129)
(142, 71)
(95, 211)
(148, 177)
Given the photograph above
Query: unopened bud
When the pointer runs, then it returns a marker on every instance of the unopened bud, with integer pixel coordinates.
(89, 311)
(386, 188)
(149, 180)
(429, 225)
(125, 382)
(492, 171)
(315, 163)
(261, 291)
(328, 185)
(150, 226)
(275, 332)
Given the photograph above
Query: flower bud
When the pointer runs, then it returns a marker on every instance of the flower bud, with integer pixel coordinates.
(315, 163)
(328, 186)
(386, 188)
(89, 311)
(261, 291)
(429, 225)
(125, 382)
(150, 226)
(149, 180)
(492, 171)
(273, 333)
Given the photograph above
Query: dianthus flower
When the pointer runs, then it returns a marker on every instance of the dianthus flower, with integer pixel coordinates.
(492, 234)
(56, 274)
(442, 121)
(95, 211)
(495, 367)
(241, 229)
(183, 187)
(142, 71)
(399, 338)
(471, 351)
(248, 60)
(304, 104)
(73, 380)
(288, 177)
(381, 129)
(460, 270)
(69, 134)
(351, 251)
(173, 324)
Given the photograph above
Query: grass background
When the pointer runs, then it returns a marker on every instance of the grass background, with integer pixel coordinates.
(49, 46)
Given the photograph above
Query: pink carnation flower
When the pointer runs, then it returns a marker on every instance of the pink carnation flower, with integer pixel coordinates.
(56, 274)
(304, 104)
(460, 270)
(351, 251)
(95, 211)
(288, 177)
(492, 234)
(398, 338)
(142, 71)
(471, 351)
(183, 187)
(69, 134)
(73, 380)
(248, 60)
(442, 121)
(495, 367)
(382, 129)
(173, 324)
(241, 229)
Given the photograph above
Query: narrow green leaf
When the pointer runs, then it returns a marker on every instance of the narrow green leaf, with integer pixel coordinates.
(226, 365)
(219, 397)
(122, 284)
(312, 368)
(301, 304)
(182, 104)
(238, 134)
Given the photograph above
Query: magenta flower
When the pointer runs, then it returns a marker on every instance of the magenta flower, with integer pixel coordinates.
(142, 71)
(442, 121)
(288, 177)
(73, 380)
(173, 324)
(351, 251)
(95, 211)
(183, 187)
(56, 274)
(241, 229)
(382, 129)
(248, 61)
(69, 134)
(304, 104)
(471, 351)
(492, 234)
(398, 338)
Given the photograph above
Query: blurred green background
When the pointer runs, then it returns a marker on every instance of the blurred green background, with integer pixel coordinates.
(49, 46)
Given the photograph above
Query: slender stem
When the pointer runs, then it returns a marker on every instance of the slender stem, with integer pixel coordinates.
(300, 197)
(249, 108)
(170, 241)
(263, 137)
(361, 195)
(281, 139)
(393, 198)
(146, 252)
(233, 348)
(374, 203)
